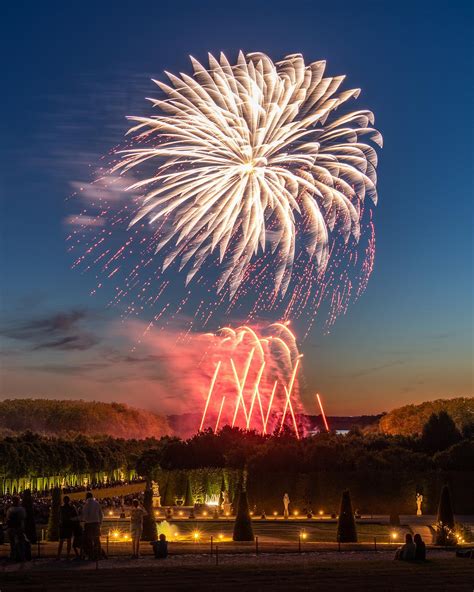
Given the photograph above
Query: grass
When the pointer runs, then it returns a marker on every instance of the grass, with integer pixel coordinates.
(447, 575)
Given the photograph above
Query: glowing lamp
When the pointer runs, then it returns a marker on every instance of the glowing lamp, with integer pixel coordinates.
(394, 535)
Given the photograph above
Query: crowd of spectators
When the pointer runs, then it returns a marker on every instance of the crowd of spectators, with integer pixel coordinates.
(42, 500)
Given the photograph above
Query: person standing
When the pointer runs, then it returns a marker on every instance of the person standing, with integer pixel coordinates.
(92, 517)
(136, 526)
(67, 517)
(15, 518)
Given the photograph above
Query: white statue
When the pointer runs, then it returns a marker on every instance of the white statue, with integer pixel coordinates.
(286, 503)
(419, 501)
(156, 494)
(226, 505)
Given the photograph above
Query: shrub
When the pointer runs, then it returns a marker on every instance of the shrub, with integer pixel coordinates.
(53, 521)
(243, 523)
(188, 498)
(30, 526)
(346, 526)
(149, 523)
(445, 526)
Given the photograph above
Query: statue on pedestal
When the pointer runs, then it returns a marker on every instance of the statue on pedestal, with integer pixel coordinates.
(419, 501)
(156, 494)
(226, 505)
(286, 503)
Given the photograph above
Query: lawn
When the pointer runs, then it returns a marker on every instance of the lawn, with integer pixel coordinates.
(289, 573)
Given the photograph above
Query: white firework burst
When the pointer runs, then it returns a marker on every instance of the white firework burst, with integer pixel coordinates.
(251, 157)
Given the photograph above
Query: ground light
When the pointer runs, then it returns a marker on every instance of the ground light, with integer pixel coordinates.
(196, 535)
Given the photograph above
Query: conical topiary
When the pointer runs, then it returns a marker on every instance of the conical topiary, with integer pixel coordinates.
(30, 526)
(445, 525)
(149, 523)
(394, 518)
(445, 508)
(243, 523)
(346, 526)
(54, 511)
(188, 498)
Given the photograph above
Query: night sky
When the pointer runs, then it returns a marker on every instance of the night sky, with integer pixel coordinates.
(71, 73)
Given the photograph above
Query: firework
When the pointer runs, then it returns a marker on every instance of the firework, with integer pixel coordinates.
(246, 178)
(254, 382)
(247, 158)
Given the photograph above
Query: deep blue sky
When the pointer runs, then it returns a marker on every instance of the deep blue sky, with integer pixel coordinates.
(72, 71)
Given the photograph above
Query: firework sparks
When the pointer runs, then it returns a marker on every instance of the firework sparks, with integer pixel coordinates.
(246, 156)
(245, 179)
(323, 415)
(265, 391)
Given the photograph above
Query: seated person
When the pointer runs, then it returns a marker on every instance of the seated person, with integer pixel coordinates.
(160, 547)
(420, 553)
(407, 551)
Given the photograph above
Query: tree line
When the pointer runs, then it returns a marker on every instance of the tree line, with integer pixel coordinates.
(375, 466)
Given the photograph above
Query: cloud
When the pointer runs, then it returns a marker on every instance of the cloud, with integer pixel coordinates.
(373, 369)
(68, 369)
(59, 331)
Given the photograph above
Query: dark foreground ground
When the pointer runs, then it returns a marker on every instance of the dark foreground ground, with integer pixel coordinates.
(290, 572)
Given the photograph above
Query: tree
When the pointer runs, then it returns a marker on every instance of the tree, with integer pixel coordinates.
(439, 432)
(410, 419)
(53, 521)
(30, 526)
(346, 526)
(188, 498)
(459, 457)
(149, 522)
(243, 523)
(445, 525)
